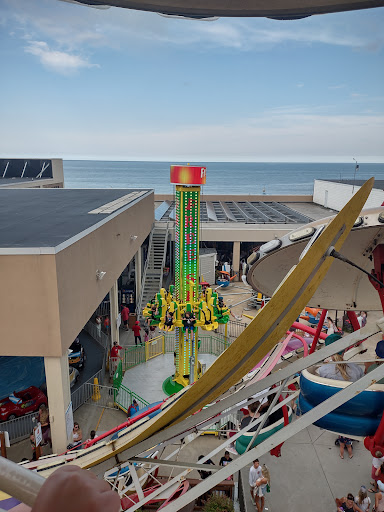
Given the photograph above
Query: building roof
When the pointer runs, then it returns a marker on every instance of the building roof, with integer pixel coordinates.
(47, 220)
(379, 184)
(248, 212)
(281, 9)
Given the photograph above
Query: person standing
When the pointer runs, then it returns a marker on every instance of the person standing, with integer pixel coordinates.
(226, 459)
(362, 319)
(115, 350)
(362, 499)
(254, 473)
(114, 356)
(377, 461)
(125, 316)
(262, 487)
(331, 328)
(205, 474)
(98, 325)
(43, 418)
(107, 324)
(136, 331)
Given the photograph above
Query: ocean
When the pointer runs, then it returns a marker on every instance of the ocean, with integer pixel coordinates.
(222, 177)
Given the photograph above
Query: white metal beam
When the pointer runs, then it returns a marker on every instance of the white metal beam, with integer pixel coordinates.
(279, 437)
(189, 424)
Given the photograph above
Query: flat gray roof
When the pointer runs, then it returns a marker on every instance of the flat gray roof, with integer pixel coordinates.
(379, 184)
(248, 212)
(47, 218)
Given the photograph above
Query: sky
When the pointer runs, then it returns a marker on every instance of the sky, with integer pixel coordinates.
(118, 84)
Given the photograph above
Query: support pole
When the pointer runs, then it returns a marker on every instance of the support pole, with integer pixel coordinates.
(113, 297)
(57, 376)
(138, 273)
(318, 331)
(353, 319)
(3, 447)
(236, 260)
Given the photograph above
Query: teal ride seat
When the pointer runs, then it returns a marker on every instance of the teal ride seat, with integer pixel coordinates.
(243, 441)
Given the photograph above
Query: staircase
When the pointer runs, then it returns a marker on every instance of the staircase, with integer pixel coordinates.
(153, 270)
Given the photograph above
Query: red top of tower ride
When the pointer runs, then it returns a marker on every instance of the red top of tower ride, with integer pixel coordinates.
(188, 175)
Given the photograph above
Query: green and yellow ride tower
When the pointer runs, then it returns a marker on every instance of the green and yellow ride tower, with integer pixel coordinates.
(186, 307)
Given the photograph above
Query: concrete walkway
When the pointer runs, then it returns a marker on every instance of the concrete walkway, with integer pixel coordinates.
(310, 473)
(146, 379)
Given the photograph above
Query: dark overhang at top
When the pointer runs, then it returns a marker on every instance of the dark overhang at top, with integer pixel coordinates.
(280, 9)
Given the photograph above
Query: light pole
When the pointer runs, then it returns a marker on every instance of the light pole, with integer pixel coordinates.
(354, 175)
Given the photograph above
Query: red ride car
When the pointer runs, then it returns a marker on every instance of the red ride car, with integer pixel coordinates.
(23, 402)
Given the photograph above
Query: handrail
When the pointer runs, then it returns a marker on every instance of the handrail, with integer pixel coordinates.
(164, 252)
(139, 306)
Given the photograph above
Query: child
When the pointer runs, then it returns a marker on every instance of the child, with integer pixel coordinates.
(168, 321)
(261, 488)
(189, 320)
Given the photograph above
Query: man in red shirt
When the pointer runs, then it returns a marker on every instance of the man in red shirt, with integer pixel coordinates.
(115, 350)
(125, 316)
(136, 331)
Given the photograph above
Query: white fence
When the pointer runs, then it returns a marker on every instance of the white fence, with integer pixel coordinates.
(19, 428)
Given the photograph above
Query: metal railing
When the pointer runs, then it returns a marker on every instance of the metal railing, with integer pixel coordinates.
(97, 334)
(103, 309)
(19, 428)
(133, 356)
(109, 397)
(154, 347)
(214, 344)
(125, 397)
(83, 393)
(139, 307)
(232, 329)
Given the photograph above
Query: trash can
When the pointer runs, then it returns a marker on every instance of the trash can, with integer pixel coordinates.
(132, 319)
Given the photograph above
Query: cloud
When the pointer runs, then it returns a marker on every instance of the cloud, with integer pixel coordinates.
(283, 137)
(58, 61)
(358, 95)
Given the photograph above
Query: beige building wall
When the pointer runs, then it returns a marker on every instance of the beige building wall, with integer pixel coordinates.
(29, 305)
(46, 300)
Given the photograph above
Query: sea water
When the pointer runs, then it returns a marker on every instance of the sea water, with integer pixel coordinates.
(222, 177)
